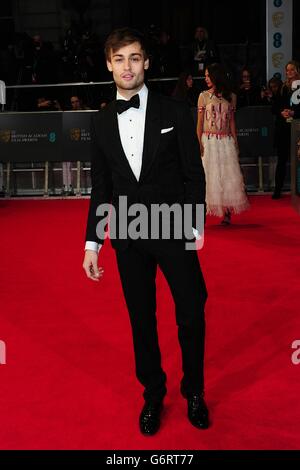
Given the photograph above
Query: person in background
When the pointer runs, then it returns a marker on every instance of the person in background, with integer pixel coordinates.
(271, 91)
(47, 104)
(165, 61)
(43, 61)
(225, 189)
(67, 189)
(167, 56)
(248, 94)
(284, 110)
(184, 89)
(203, 51)
(77, 104)
(107, 95)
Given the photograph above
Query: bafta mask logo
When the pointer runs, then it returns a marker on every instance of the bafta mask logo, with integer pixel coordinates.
(278, 19)
(75, 134)
(5, 136)
(277, 59)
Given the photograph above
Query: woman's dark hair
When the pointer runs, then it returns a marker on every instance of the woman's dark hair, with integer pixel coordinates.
(181, 88)
(183, 92)
(123, 37)
(276, 80)
(219, 78)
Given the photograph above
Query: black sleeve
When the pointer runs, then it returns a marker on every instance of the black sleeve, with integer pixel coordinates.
(101, 190)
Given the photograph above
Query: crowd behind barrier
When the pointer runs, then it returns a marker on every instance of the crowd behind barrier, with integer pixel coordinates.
(78, 54)
(26, 142)
(35, 145)
(24, 98)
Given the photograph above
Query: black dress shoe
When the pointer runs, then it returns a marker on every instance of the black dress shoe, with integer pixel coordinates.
(150, 418)
(198, 412)
(276, 195)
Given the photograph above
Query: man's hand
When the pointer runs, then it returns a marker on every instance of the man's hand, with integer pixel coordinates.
(90, 265)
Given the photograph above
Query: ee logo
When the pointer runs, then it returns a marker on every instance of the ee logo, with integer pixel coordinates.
(52, 137)
(277, 36)
(277, 40)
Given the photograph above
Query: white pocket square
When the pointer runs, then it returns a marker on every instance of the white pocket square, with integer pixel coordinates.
(164, 131)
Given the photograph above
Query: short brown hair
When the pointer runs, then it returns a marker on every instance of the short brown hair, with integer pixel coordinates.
(123, 37)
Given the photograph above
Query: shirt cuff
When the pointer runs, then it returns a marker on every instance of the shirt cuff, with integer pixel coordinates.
(93, 246)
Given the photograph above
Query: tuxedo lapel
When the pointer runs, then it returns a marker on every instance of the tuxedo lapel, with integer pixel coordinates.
(152, 133)
(115, 143)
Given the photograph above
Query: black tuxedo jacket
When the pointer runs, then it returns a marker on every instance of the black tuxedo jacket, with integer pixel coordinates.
(172, 170)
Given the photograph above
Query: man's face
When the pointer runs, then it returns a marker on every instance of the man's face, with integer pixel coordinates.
(128, 66)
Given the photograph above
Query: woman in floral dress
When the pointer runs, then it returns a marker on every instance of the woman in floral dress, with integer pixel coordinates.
(225, 188)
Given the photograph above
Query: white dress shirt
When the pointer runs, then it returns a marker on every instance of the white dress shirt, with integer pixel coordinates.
(132, 129)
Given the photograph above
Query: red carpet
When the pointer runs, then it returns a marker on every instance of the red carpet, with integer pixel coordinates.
(69, 379)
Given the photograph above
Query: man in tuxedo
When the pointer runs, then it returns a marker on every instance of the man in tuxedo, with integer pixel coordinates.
(147, 151)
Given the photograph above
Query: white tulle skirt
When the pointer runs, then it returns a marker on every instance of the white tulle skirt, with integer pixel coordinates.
(225, 188)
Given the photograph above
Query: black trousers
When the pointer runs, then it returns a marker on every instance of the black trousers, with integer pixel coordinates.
(137, 267)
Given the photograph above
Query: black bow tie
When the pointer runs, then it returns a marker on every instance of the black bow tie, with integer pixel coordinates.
(123, 105)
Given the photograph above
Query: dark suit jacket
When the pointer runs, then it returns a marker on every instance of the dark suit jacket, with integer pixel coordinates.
(172, 170)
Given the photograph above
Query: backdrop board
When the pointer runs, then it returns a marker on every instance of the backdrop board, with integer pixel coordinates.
(77, 138)
(255, 130)
(29, 137)
(66, 136)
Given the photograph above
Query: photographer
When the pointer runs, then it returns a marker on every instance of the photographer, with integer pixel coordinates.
(271, 92)
(248, 93)
(46, 104)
